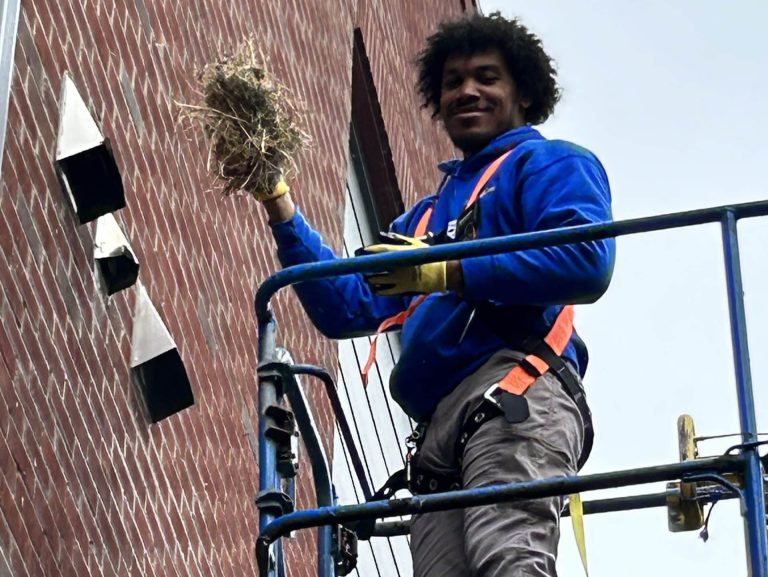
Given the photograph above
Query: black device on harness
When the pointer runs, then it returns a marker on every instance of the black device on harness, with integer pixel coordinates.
(424, 481)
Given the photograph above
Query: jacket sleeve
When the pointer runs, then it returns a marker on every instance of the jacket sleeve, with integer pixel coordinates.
(339, 307)
(568, 191)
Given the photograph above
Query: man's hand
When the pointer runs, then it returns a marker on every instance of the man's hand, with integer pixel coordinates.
(424, 278)
(279, 189)
(278, 204)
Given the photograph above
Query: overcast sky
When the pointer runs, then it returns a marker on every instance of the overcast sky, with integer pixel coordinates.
(672, 98)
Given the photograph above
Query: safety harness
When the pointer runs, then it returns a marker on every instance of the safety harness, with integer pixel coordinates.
(421, 231)
(504, 398)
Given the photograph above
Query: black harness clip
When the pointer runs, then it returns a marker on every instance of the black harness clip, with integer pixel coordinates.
(514, 407)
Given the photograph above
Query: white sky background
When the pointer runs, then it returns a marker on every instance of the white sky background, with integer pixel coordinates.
(672, 98)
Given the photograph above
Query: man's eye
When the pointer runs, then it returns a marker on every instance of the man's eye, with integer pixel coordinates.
(451, 83)
(488, 78)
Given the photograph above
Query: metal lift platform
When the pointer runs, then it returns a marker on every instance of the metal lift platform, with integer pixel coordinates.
(691, 483)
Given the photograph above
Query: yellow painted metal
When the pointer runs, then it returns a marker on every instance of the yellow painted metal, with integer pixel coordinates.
(683, 512)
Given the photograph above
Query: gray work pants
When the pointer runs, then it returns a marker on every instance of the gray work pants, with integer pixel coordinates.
(508, 539)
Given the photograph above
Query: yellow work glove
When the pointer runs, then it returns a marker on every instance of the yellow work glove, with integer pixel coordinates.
(281, 187)
(423, 278)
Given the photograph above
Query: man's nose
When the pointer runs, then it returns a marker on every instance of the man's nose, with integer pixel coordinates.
(469, 89)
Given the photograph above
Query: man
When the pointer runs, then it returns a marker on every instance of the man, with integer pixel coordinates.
(489, 357)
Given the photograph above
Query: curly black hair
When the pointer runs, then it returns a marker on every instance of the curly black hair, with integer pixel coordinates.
(530, 66)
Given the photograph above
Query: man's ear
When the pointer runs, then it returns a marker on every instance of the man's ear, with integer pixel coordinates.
(525, 103)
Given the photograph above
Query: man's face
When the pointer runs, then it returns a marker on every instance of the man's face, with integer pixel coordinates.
(479, 100)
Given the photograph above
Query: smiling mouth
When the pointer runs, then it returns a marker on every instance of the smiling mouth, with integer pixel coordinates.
(469, 112)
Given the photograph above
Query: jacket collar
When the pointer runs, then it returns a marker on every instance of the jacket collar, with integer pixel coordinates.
(467, 167)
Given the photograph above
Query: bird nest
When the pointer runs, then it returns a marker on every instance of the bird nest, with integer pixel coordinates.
(252, 124)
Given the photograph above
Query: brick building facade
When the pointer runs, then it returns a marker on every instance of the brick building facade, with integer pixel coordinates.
(88, 486)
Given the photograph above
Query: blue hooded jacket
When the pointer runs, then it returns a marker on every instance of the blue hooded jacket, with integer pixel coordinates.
(543, 184)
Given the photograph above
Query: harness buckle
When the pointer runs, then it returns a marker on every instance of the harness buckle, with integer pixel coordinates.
(413, 441)
(513, 407)
(412, 444)
(488, 396)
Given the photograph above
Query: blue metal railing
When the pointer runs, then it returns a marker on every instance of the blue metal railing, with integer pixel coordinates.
(747, 463)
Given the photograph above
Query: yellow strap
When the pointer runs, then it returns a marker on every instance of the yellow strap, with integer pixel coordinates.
(577, 518)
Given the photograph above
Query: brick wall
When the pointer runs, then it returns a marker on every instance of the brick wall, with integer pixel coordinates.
(87, 486)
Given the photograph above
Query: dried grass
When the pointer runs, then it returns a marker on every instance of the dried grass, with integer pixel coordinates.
(252, 124)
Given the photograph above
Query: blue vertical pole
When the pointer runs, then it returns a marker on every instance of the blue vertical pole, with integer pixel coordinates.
(754, 506)
(269, 479)
(321, 471)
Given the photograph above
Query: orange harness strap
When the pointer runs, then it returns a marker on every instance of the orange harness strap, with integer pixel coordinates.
(397, 319)
(421, 227)
(518, 379)
(421, 230)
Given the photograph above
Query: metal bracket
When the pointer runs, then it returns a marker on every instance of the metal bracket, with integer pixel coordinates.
(684, 512)
(288, 457)
(275, 503)
(344, 550)
(686, 498)
(281, 427)
(271, 372)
